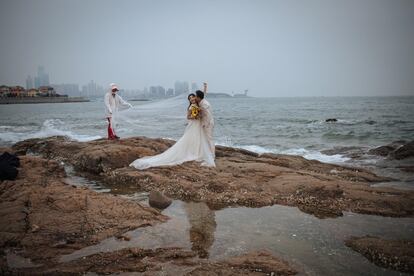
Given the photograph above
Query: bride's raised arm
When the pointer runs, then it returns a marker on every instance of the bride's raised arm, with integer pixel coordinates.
(205, 87)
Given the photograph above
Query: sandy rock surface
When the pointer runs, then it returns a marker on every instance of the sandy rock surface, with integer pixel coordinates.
(394, 254)
(241, 177)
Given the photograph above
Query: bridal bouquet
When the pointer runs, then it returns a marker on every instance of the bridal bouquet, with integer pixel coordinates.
(195, 111)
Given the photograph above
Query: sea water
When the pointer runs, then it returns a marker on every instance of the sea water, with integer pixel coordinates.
(278, 125)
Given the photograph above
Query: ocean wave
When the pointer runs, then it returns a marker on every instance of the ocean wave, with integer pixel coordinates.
(310, 155)
(257, 149)
(51, 127)
(398, 122)
(339, 136)
(347, 122)
(316, 155)
(299, 120)
(344, 122)
(17, 128)
(9, 137)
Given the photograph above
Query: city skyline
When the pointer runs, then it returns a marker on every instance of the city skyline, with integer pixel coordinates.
(93, 89)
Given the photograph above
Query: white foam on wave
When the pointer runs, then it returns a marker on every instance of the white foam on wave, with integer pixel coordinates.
(346, 122)
(51, 127)
(12, 137)
(227, 142)
(336, 158)
(257, 149)
(311, 155)
(316, 155)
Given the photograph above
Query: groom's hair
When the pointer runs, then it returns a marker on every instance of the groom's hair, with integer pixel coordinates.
(200, 94)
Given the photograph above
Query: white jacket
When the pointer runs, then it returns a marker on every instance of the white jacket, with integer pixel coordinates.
(113, 103)
(207, 119)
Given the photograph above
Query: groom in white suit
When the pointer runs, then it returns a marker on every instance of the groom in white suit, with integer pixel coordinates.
(207, 119)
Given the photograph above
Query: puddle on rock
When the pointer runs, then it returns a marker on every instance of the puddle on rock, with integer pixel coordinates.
(315, 246)
(78, 181)
(408, 185)
(16, 261)
(172, 233)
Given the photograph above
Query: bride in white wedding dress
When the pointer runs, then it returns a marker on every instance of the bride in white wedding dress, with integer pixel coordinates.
(192, 146)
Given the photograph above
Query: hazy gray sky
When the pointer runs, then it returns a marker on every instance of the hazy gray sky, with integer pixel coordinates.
(273, 48)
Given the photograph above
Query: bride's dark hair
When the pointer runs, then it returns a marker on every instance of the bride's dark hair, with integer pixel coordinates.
(188, 98)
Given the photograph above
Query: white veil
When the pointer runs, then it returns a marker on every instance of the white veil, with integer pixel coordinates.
(150, 118)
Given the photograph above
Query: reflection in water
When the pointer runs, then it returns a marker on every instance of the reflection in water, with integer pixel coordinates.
(202, 227)
(172, 233)
(315, 245)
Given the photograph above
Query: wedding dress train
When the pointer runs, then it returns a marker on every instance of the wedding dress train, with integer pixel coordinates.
(192, 146)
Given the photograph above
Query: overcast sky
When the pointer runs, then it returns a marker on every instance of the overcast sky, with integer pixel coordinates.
(272, 48)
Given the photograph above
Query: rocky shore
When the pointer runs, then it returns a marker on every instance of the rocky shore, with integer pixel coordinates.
(47, 217)
(167, 261)
(43, 217)
(241, 178)
(394, 254)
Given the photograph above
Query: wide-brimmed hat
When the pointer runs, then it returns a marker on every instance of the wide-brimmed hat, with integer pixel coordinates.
(114, 87)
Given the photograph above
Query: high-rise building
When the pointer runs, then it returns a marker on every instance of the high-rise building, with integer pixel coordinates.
(194, 87)
(92, 90)
(100, 91)
(146, 92)
(157, 91)
(42, 78)
(29, 83)
(181, 87)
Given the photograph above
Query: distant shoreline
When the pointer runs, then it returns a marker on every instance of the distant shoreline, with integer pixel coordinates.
(139, 100)
(27, 100)
(225, 95)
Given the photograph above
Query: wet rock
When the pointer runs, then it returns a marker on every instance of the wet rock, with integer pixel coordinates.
(405, 151)
(35, 228)
(241, 178)
(166, 261)
(123, 237)
(95, 157)
(393, 254)
(262, 261)
(320, 201)
(386, 149)
(331, 120)
(396, 150)
(215, 187)
(158, 200)
(382, 150)
(409, 169)
(351, 152)
(38, 211)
